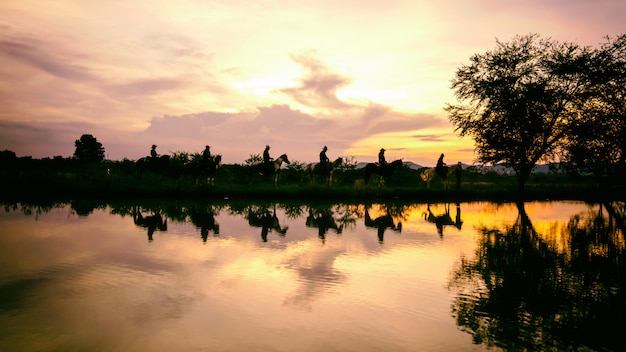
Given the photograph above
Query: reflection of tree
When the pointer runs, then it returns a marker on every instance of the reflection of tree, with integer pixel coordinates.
(266, 219)
(444, 219)
(151, 222)
(522, 292)
(385, 221)
(84, 207)
(38, 208)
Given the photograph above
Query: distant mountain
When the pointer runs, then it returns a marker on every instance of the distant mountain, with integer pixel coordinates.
(412, 165)
(552, 168)
(500, 169)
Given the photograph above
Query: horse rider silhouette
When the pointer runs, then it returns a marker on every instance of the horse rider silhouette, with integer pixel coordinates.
(324, 161)
(206, 154)
(441, 168)
(381, 159)
(267, 160)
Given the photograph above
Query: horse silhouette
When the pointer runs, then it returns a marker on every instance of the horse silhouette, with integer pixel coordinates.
(267, 170)
(206, 169)
(323, 220)
(265, 219)
(156, 165)
(382, 223)
(385, 173)
(444, 219)
(325, 172)
(430, 174)
(152, 222)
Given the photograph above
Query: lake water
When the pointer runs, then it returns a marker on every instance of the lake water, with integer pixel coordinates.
(196, 276)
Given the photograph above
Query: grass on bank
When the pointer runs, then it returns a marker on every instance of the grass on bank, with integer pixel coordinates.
(233, 182)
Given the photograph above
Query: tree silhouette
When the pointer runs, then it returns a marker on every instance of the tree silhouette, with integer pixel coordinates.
(88, 149)
(598, 143)
(518, 100)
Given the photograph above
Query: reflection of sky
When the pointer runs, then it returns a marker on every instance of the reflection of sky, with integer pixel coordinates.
(98, 280)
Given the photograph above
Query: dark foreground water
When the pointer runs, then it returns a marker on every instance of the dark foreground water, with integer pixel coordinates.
(195, 276)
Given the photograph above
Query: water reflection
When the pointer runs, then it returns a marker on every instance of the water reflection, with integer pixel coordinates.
(266, 219)
(331, 217)
(385, 220)
(525, 276)
(557, 288)
(203, 217)
(444, 219)
(152, 222)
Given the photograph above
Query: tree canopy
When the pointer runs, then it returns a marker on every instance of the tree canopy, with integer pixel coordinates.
(88, 149)
(597, 142)
(518, 101)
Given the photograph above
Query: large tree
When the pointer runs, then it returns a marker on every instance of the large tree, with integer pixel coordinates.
(88, 149)
(517, 101)
(598, 140)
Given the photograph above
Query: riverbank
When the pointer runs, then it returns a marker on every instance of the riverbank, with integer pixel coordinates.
(232, 183)
(468, 192)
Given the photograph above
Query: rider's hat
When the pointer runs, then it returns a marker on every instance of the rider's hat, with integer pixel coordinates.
(154, 146)
(325, 147)
(382, 149)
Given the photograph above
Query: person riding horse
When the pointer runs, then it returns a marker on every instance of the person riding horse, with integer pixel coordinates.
(153, 156)
(441, 168)
(267, 160)
(324, 161)
(382, 163)
(206, 154)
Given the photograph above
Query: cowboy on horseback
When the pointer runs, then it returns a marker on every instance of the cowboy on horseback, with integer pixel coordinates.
(267, 160)
(381, 159)
(441, 168)
(206, 154)
(153, 152)
(324, 161)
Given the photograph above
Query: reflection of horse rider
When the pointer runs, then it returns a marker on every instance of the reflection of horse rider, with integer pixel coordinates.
(457, 221)
(381, 159)
(324, 161)
(441, 168)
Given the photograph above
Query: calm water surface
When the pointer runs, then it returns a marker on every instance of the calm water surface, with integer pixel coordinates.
(321, 277)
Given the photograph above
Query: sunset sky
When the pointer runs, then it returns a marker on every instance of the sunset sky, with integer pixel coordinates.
(237, 75)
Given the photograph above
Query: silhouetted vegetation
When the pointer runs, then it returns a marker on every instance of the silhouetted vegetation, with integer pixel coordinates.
(88, 149)
(534, 100)
(69, 178)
